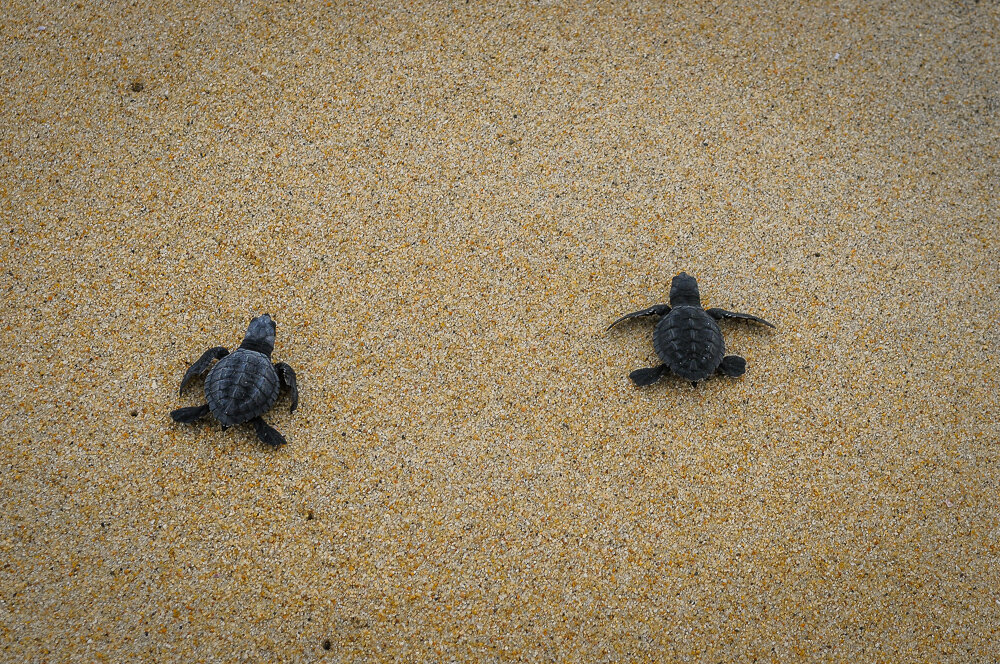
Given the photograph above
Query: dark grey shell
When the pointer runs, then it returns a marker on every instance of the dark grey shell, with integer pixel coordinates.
(241, 386)
(689, 341)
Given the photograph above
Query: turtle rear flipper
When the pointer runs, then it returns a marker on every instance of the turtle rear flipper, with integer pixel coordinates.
(201, 366)
(719, 314)
(733, 365)
(643, 377)
(189, 415)
(267, 434)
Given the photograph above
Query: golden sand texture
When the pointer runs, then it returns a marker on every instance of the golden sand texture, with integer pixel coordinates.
(443, 207)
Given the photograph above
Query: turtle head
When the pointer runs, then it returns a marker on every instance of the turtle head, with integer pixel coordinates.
(260, 335)
(684, 291)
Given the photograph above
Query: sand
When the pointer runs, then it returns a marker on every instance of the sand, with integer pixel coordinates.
(443, 207)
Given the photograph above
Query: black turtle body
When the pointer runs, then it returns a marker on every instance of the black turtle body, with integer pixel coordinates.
(242, 386)
(687, 337)
(689, 341)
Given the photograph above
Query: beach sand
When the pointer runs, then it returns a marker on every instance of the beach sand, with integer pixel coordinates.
(443, 208)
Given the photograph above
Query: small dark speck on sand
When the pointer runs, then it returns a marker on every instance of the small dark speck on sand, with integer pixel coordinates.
(137, 86)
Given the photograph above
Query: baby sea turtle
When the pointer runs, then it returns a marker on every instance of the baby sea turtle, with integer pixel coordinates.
(242, 386)
(687, 338)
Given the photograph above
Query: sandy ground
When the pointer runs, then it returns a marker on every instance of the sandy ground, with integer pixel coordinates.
(443, 208)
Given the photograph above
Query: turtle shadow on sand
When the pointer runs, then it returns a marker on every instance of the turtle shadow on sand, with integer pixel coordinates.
(687, 337)
(243, 385)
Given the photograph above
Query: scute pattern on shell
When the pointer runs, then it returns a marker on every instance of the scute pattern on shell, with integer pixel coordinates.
(689, 341)
(241, 386)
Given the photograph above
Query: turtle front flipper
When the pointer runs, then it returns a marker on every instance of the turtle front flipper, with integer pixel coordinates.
(267, 434)
(733, 365)
(201, 366)
(719, 314)
(189, 415)
(287, 377)
(655, 310)
(643, 377)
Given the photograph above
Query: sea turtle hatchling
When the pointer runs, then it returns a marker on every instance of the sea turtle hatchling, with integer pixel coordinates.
(243, 385)
(686, 338)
